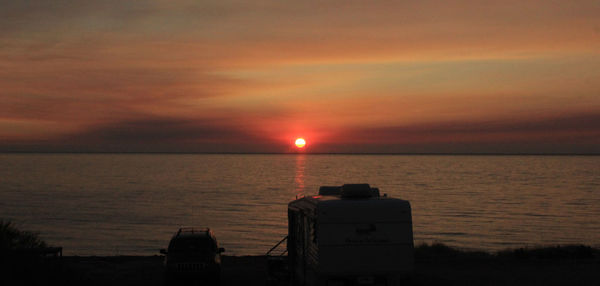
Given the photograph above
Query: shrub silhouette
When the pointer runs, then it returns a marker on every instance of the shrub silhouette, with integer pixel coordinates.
(11, 238)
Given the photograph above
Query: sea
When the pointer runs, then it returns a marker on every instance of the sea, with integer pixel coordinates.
(131, 204)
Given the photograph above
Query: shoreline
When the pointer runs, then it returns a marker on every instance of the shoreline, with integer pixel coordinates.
(435, 264)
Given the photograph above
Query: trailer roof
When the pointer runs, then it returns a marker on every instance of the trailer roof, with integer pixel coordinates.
(334, 200)
(334, 209)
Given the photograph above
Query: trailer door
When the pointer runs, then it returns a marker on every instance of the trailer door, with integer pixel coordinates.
(296, 247)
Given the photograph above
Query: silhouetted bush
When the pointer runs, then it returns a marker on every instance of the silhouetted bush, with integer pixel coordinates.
(11, 238)
(553, 252)
(25, 259)
(439, 250)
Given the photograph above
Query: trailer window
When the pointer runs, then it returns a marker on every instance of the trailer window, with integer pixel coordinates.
(192, 244)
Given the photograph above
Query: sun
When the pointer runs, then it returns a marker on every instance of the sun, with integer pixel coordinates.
(300, 143)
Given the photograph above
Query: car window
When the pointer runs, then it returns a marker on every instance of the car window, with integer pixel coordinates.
(192, 244)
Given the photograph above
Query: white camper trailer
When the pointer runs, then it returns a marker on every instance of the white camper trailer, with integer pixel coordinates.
(349, 235)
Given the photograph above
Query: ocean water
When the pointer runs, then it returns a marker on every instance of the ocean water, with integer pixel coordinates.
(131, 204)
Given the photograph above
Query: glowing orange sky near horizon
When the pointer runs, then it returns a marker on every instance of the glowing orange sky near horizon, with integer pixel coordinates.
(351, 76)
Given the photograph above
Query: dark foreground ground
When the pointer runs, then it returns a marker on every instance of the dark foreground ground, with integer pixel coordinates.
(434, 265)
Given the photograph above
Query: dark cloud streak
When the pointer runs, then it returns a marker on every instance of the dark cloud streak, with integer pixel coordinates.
(573, 122)
(570, 133)
(577, 133)
(158, 134)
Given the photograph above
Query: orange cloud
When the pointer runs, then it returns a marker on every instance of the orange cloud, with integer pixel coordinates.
(270, 71)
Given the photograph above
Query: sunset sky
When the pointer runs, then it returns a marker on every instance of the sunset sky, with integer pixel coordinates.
(348, 76)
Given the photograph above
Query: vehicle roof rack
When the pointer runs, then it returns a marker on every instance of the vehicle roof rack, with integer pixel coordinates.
(193, 230)
(349, 191)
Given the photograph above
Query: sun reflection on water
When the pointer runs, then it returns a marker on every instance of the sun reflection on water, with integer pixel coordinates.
(299, 174)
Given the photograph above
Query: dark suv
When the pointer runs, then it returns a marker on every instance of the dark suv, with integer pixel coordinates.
(193, 253)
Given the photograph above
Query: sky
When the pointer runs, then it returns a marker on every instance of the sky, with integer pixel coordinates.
(348, 76)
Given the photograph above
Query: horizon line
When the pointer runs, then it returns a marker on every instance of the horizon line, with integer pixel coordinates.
(311, 153)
